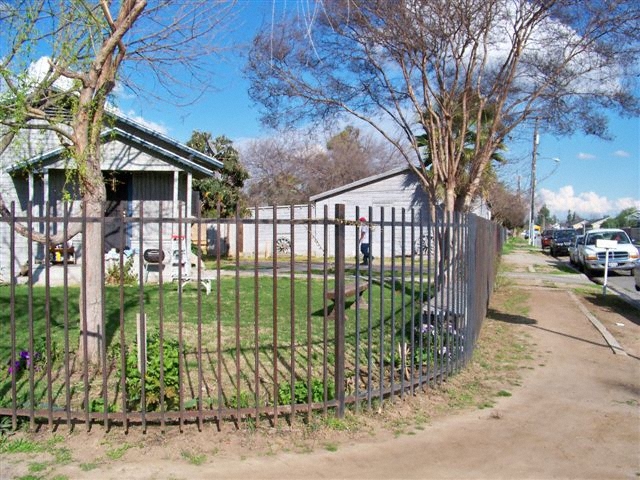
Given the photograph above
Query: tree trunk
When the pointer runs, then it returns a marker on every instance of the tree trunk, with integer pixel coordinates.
(92, 325)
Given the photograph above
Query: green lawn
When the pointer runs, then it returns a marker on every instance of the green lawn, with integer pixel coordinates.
(276, 330)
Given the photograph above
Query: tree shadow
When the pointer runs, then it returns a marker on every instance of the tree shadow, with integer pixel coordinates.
(509, 318)
(614, 304)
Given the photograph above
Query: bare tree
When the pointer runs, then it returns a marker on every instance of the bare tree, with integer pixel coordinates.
(91, 46)
(276, 167)
(453, 78)
(351, 156)
(508, 208)
(292, 167)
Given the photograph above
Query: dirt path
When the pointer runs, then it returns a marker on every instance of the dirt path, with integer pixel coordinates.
(575, 416)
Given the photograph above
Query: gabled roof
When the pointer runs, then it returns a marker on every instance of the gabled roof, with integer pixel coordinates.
(144, 138)
(168, 143)
(360, 183)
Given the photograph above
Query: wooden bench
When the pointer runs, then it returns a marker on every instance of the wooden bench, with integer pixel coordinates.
(350, 290)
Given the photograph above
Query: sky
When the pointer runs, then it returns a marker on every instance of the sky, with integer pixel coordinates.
(588, 176)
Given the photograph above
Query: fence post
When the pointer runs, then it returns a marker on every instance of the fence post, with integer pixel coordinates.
(339, 306)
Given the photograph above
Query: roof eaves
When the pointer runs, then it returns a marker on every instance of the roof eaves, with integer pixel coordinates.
(52, 154)
(201, 156)
(358, 183)
(164, 152)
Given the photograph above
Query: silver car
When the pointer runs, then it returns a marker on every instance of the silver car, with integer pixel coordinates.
(573, 249)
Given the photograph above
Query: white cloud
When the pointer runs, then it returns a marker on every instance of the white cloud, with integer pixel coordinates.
(160, 128)
(131, 115)
(621, 153)
(585, 156)
(586, 204)
(121, 93)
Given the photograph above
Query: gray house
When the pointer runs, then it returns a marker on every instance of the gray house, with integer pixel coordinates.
(381, 197)
(385, 197)
(140, 166)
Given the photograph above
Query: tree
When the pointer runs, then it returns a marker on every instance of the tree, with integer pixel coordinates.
(414, 66)
(225, 191)
(626, 218)
(276, 165)
(509, 209)
(290, 168)
(92, 46)
(349, 156)
(544, 218)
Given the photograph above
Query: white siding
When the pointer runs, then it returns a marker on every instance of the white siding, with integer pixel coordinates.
(376, 201)
(385, 195)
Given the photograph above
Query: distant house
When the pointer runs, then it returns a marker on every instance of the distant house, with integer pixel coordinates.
(385, 195)
(590, 224)
(138, 164)
(396, 195)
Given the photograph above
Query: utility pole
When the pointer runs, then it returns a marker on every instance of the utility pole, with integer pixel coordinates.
(536, 140)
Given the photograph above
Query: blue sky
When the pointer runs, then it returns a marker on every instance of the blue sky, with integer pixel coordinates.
(593, 178)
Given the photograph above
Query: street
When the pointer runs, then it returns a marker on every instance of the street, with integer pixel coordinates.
(621, 281)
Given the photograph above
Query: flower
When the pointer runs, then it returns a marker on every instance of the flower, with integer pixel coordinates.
(15, 367)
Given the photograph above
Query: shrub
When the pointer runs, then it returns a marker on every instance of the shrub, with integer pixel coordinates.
(129, 277)
(301, 392)
(170, 366)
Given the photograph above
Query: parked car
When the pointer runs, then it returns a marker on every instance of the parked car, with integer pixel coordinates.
(545, 239)
(573, 249)
(561, 240)
(591, 257)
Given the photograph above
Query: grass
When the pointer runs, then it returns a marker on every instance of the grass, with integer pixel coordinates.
(118, 452)
(331, 447)
(273, 320)
(193, 458)
(502, 351)
(19, 445)
(242, 304)
(512, 244)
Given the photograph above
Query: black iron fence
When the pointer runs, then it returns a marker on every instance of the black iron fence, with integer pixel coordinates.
(187, 337)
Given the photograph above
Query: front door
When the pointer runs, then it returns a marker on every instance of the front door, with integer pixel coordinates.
(118, 186)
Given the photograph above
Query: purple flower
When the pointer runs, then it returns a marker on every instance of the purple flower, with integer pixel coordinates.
(15, 367)
(23, 361)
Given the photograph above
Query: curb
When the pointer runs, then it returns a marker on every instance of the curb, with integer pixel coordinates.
(532, 276)
(610, 339)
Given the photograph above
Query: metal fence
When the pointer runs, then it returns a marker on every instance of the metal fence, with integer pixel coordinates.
(191, 338)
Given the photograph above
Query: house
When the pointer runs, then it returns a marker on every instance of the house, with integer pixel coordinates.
(140, 167)
(589, 224)
(391, 197)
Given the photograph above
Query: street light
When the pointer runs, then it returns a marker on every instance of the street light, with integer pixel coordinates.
(534, 156)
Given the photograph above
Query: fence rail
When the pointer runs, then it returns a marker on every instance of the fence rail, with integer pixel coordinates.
(186, 337)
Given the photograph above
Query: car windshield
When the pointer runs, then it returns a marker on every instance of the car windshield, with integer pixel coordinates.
(619, 236)
(564, 235)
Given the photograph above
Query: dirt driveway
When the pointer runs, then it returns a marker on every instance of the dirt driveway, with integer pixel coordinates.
(573, 413)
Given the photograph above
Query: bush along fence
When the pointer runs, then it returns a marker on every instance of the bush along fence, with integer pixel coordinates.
(184, 334)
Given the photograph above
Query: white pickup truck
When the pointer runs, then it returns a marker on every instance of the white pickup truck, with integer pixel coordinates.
(591, 257)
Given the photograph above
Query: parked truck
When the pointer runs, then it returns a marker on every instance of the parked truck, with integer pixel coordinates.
(592, 255)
